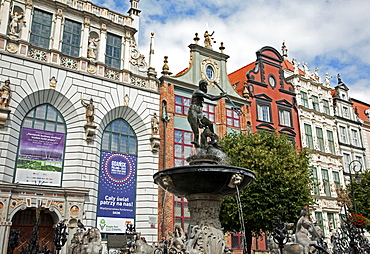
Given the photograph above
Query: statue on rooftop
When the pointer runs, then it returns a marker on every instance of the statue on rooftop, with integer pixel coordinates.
(208, 39)
(197, 119)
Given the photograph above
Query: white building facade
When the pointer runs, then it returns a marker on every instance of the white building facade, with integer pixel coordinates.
(77, 139)
(319, 134)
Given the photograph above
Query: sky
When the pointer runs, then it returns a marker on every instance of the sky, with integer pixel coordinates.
(333, 35)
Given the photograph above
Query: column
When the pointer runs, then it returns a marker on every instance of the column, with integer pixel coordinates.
(102, 43)
(85, 37)
(5, 11)
(57, 30)
(27, 21)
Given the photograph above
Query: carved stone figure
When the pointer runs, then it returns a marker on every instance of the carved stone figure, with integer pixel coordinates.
(141, 247)
(295, 65)
(76, 241)
(155, 124)
(236, 180)
(14, 26)
(327, 79)
(177, 242)
(5, 94)
(86, 242)
(93, 45)
(89, 110)
(196, 118)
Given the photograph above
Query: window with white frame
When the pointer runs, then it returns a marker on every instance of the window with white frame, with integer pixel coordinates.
(113, 51)
(336, 180)
(320, 139)
(263, 111)
(345, 112)
(355, 141)
(326, 181)
(343, 134)
(315, 103)
(346, 161)
(308, 133)
(285, 116)
(304, 99)
(326, 107)
(331, 141)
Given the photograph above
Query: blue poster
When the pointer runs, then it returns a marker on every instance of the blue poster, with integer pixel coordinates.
(117, 192)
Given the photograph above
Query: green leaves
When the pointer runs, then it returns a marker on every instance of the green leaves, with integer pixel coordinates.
(282, 185)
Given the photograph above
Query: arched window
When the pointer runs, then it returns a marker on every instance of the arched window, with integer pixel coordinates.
(117, 180)
(40, 153)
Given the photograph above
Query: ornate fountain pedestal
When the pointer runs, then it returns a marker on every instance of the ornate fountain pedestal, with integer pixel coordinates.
(204, 185)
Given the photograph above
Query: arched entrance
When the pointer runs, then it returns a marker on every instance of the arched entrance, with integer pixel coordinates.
(24, 220)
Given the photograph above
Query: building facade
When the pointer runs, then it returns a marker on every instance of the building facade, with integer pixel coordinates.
(319, 134)
(176, 91)
(273, 99)
(78, 120)
(362, 111)
(349, 127)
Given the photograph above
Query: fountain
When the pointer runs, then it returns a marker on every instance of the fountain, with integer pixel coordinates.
(204, 182)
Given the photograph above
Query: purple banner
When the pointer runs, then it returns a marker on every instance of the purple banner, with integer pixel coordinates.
(40, 157)
(117, 191)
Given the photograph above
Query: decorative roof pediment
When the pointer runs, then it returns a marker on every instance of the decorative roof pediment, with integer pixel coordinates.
(263, 96)
(284, 102)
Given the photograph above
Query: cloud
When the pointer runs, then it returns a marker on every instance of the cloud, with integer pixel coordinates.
(332, 35)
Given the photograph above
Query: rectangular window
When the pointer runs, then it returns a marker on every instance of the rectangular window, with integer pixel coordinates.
(331, 141)
(325, 104)
(354, 135)
(320, 221)
(183, 147)
(308, 132)
(316, 187)
(326, 182)
(209, 111)
(345, 112)
(304, 99)
(237, 241)
(232, 118)
(346, 161)
(41, 29)
(285, 116)
(336, 180)
(71, 38)
(182, 214)
(331, 221)
(263, 112)
(343, 134)
(358, 158)
(320, 139)
(113, 51)
(315, 103)
(182, 105)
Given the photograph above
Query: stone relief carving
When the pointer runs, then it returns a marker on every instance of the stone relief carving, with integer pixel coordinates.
(137, 59)
(15, 23)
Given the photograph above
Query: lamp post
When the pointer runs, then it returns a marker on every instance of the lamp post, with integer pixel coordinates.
(356, 166)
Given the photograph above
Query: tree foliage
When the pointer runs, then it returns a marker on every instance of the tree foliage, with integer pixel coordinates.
(361, 193)
(282, 186)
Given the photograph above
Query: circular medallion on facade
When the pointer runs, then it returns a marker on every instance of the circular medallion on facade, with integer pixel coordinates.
(74, 209)
(1, 205)
(272, 81)
(12, 48)
(91, 68)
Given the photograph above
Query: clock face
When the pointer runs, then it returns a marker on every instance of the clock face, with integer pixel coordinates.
(272, 81)
(210, 72)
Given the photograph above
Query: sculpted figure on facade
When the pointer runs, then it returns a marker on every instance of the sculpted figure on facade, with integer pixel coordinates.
(197, 119)
(5, 94)
(89, 110)
(14, 25)
(327, 79)
(92, 47)
(295, 65)
(155, 124)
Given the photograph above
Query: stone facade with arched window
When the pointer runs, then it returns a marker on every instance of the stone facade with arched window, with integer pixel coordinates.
(80, 90)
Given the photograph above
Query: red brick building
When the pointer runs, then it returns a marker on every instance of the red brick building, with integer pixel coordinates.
(273, 100)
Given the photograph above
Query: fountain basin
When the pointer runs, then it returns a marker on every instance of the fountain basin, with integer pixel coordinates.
(200, 179)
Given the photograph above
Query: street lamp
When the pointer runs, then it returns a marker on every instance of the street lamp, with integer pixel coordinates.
(356, 166)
